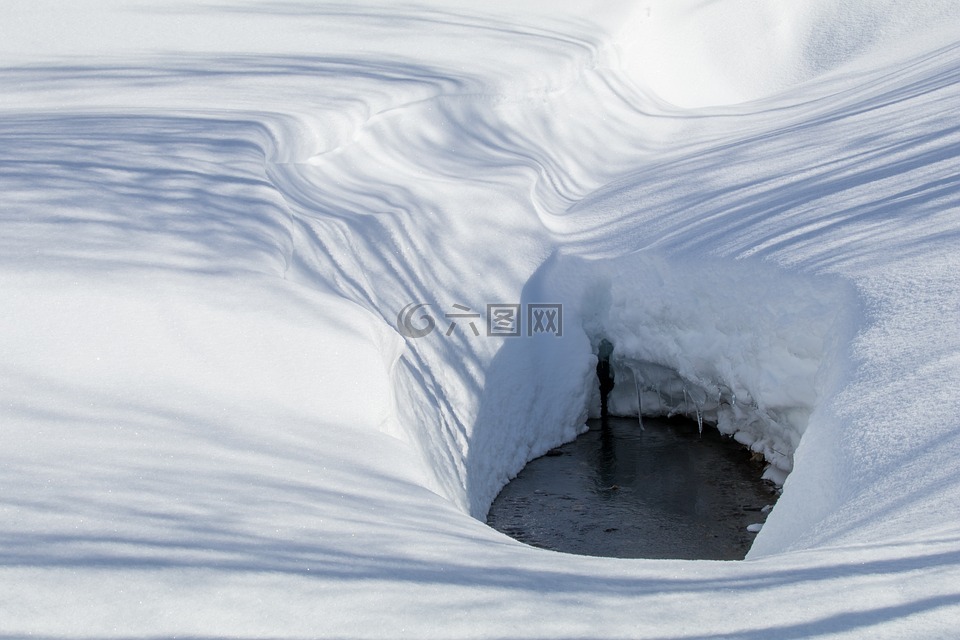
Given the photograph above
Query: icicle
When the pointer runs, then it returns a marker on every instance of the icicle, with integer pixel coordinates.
(636, 382)
(686, 408)
(724, 390)
(700, 401)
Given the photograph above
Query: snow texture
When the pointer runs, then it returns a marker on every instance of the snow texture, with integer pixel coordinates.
(211, 215)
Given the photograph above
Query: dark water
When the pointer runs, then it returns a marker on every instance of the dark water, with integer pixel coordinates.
(662, 492)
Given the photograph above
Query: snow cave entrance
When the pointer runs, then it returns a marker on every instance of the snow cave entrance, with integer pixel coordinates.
(661, 483)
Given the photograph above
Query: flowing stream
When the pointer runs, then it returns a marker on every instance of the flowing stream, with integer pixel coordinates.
(619, 490)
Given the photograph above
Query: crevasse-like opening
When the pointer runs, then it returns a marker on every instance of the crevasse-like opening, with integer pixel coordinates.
(649, 389)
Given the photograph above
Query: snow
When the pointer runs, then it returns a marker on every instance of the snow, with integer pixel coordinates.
(213, 213)
(736, 344)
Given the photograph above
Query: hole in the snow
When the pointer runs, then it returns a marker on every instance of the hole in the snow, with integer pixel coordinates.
(664, 490)
(733, 354)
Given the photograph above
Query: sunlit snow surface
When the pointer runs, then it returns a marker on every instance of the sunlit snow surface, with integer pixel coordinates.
(211, 215)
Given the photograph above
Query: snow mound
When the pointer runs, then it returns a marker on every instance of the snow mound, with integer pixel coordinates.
(696, 54)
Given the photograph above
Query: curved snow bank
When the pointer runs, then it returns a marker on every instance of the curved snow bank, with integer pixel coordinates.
(694, 54)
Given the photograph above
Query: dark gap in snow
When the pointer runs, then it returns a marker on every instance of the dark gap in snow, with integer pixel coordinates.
(620, 490)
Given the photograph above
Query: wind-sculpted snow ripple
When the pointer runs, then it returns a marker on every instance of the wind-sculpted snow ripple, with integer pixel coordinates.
(212, 215)
(450, 200)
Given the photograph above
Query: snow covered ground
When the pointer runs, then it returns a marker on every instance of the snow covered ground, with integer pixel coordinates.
(211, 215)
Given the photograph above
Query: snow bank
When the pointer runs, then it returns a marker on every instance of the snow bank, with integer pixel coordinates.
(212, 217)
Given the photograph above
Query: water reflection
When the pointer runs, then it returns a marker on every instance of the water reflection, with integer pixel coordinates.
(663, 491)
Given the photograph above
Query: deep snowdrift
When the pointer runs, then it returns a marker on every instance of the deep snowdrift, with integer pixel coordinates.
(211, 217)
